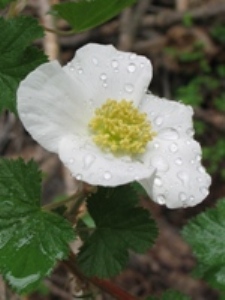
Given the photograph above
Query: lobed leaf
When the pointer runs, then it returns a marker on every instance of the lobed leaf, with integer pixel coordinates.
(120, 225)
(87, 14)
(206, 235)
(17, 57)
(31, 240)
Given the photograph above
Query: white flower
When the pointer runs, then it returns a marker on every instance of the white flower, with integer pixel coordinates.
(58, 108)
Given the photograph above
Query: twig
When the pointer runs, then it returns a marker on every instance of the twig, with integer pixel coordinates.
(105, 285)
(130, 22)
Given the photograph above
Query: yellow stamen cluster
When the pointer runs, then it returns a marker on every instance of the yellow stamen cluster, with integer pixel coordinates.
(119, 127)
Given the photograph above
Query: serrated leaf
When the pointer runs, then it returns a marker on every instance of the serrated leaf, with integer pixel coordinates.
(206, 234)
(31, 240)
(120, 226)
(17, 57)
(3, 3)
(170, 295)
(87, 14)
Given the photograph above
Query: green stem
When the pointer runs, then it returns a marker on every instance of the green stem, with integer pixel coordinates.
(55, 205)
(60, 32)
(15, 8)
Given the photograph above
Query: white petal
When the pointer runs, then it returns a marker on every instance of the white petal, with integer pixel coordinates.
(107, 73)
(88, 163)
(51, 105)
(168, 116)
(179, 180)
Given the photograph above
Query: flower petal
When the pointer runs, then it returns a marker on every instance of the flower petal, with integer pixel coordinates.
(168, 117)
(179, 180)
(107, 73)
(88, 163)
(51, 105)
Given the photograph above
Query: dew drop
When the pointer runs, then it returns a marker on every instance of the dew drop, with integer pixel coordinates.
(103, 76)
(131, 67)
(201, 170)
(158, 181)
(178, 161)
(114, 63)
(133, 56)
(158, 121)
(107, 175)
(78, 176)
(192, 161)
(94, 60)
(182, 197)
(169, 134)
(71, 161)
(104, 84)
(199, 179)
(204, 191)
(129, 87)
(161, 199)
(71, 68)
(156, 145)
(184, 177)
(142, 65)
(190, 132)
(159, 163)
(198, 157)
(173, 147)
(80, 70)
(88, 160)
(136, 178)
(191, 198)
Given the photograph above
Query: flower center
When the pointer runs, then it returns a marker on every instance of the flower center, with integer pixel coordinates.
(119, 127)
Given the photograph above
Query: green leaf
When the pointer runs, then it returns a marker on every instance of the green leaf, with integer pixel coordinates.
(120, 225)
(32, 240)
(87, 14)
(170, 295)
(17, 57)
(3, 3)
(206, 234)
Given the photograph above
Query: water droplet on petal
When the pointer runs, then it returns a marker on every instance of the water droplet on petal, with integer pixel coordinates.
(131, 67)
(78, 176)
(71, 68)
(198, 157)
(190, 132)
(114, 63)
(104, 84)
(192, 161)
(178, 161)
(161, 199)
(88, 160)
(173, 147)
(204, 191)
(129, 87)
(201, 170)
(103, 76)
(133, 56)
(199, 179)
(71, 161)
(156, 145)
(80, 70)
(159, 163)
(184, 177)
(157, 181)
(158, 121)
(191, 198)
(142, 65)
(94, 60)
(169, 134)
(107, 175)
(182, 197)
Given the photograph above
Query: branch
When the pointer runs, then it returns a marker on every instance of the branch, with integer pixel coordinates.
(103, 284)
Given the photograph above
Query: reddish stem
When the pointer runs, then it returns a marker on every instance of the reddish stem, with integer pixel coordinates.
(103, 284)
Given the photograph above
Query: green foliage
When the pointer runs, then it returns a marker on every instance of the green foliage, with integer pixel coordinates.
(120, 225)
(216, 155)
(17, 57)
(187, 20)
(87, 14)
(3, 3)
(170, 295)
(206, 235)
(32, 240)
(218, 32)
